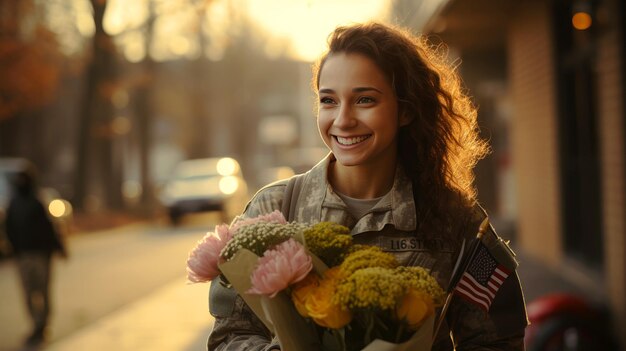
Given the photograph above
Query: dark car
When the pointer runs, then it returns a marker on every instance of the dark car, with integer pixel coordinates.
(59, 209)
(208, 184)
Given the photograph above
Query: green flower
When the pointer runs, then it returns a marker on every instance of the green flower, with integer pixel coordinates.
(328, 241)
(259, 237)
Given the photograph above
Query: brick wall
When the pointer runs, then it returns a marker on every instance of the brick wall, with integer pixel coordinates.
(534, 132)
(611, 128)
(535, 145)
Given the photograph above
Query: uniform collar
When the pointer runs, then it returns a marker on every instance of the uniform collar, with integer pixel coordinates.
(396, 208)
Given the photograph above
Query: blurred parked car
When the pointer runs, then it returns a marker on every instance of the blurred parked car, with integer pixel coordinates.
(59, 209)
(210, 184)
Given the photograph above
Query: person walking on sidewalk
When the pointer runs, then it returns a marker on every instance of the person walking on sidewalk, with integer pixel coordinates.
(34, 240)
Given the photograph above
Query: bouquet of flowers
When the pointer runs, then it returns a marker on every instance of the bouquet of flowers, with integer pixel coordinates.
(316, 289)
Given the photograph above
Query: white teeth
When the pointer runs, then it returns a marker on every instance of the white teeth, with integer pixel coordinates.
(351, 141)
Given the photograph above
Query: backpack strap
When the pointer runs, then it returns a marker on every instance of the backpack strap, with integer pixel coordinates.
(291, 196)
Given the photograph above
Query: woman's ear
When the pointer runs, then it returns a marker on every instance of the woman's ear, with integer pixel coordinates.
(404, 119)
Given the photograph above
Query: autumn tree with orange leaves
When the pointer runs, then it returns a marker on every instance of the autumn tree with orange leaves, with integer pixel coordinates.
(29, 59)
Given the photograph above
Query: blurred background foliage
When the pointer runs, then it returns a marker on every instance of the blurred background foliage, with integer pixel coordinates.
(106, 96)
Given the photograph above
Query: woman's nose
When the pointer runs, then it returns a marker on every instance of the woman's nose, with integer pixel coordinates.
(345, 118)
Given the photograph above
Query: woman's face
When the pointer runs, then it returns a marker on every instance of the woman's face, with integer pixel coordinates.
(358, 111)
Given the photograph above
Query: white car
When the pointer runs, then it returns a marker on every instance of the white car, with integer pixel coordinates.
(209, 184)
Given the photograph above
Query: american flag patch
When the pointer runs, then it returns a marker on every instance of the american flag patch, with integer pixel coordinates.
(482, 279)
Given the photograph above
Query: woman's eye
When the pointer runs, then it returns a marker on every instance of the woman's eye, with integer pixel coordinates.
(326, 100)
(365, 100)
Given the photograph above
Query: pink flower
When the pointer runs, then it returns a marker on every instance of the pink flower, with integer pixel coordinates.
(280, 267)
(204, 258)
(224, 232)
(274, 217)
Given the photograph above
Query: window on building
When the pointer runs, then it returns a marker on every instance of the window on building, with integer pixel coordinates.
(578, 131)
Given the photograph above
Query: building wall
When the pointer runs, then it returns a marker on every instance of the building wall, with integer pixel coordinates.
(535, 145)
(611, 127)
(533, 90)
(534, 133)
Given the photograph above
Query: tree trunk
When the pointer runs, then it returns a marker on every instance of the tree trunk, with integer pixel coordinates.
(97, 170)
(144, 110)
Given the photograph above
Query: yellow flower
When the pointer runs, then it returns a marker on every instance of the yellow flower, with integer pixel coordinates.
(328, 241)
(301, 292)
(372, 288)
(419, 279)
(368, 256)
(320, 306)
(414, 308)
(334, 274)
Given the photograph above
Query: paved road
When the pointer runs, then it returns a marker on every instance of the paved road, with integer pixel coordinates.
(120, 275)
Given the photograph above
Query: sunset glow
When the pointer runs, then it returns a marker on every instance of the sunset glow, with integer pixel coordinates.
(306, 24)
(299, 26)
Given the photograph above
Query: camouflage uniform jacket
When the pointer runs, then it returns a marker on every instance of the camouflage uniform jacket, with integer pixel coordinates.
(392, 225)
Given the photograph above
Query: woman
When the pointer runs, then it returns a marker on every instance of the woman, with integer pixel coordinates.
(403, 141)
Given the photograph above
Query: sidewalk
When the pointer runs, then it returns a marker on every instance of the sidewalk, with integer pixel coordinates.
(173, 318)
(92, 222)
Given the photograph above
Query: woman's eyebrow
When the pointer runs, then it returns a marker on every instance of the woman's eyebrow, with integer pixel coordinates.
(364, 89)
(354, 90)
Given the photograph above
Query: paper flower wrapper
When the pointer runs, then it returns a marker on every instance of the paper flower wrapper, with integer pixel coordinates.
(278, 313)
(422, 340)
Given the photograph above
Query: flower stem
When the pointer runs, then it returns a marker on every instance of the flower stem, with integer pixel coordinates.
(340, 338)
(399, 332)
(369, 329)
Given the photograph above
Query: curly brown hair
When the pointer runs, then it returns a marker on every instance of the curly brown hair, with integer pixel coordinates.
(440, 146)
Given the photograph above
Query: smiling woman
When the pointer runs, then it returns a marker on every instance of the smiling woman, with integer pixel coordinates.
(358, 120)
(403, 141)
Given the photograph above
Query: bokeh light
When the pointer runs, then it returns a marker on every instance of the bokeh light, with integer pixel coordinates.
(228, 185)
(226, 166)
(581, 20)
(57, 208)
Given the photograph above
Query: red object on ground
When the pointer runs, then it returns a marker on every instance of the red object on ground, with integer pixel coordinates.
(548, 306)
(562, 321)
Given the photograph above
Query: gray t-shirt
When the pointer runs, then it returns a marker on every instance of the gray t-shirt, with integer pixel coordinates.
(358, 207)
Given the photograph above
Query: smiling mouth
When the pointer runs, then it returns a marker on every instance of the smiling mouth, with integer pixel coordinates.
(351, 141)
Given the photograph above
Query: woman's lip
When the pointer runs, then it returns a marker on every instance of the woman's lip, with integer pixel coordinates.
(351, 140)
